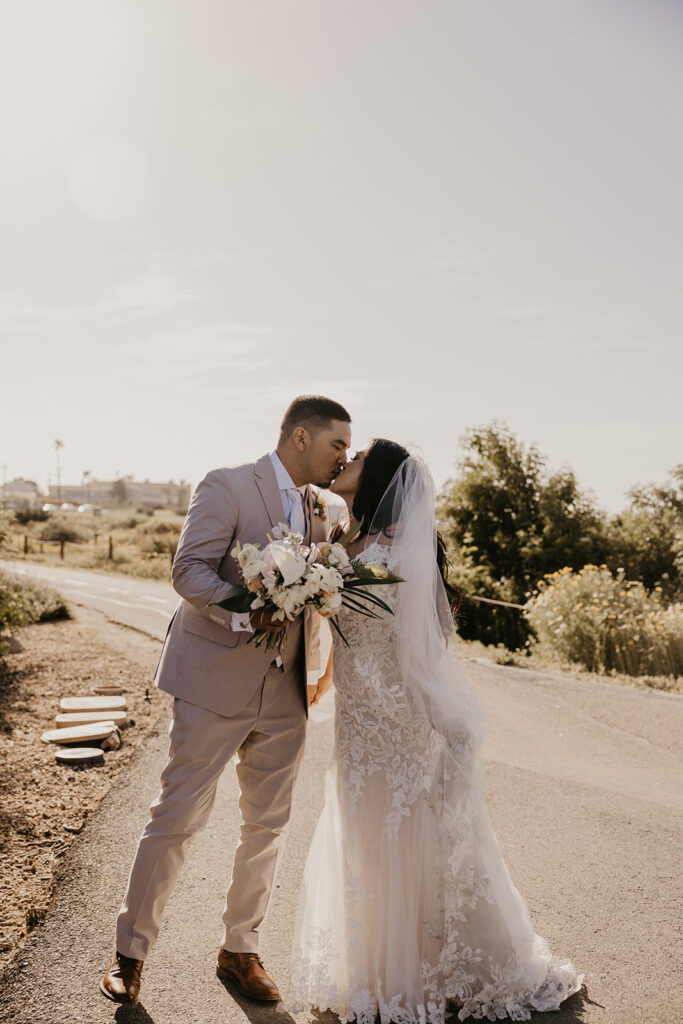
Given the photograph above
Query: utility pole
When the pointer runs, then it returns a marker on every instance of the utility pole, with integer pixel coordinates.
(59, 445)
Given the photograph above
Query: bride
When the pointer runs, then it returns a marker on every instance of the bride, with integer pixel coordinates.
(406, 904)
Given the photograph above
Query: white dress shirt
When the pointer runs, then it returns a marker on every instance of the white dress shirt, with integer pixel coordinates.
(293, 501)
(293, 497)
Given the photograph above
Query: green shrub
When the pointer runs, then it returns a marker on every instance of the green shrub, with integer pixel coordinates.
(158, 537)
(5, 528)
(45, 604)
(24, 602)
(606, 623)
(161, 526)
(31, 515)
(60, 529)
(14, 610)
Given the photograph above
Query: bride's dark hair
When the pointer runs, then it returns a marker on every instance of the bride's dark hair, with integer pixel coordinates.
(383, 459)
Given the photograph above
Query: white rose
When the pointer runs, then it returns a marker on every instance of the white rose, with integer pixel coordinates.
(252, 569)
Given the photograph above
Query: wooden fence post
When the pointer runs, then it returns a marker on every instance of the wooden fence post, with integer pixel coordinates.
(111, 548)
(61, 550)
(25, 544)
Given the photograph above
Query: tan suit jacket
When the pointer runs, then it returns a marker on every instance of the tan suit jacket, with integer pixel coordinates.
(204, 661)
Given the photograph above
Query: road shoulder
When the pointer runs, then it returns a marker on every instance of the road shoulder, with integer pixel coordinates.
(45, 806)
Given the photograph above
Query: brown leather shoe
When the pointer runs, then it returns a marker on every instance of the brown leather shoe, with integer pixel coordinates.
(248, 973)
(122, 981)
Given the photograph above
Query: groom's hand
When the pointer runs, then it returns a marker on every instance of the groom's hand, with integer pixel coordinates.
(264, 620)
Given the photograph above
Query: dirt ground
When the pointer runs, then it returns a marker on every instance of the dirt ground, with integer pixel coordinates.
(44, 805)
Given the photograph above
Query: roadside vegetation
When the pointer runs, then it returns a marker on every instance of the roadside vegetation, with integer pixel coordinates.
(24, 602)
(131, 542)
(606, 623)
(578, 586)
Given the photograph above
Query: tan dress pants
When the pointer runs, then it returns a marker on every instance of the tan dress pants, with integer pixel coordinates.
(268, 736)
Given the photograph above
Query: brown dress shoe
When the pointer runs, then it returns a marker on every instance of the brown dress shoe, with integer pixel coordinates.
(122, 981)
(248, 973)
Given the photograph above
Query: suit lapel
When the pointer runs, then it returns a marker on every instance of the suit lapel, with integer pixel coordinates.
(266, 482)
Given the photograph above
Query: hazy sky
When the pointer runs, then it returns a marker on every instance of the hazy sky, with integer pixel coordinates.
(438, 212)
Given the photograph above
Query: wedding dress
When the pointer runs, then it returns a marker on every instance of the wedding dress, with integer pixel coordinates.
(406, 904)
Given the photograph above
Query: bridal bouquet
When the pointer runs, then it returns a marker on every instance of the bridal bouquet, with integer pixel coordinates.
(287, 575)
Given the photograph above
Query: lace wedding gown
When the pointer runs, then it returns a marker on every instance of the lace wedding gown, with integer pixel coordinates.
(406, 903)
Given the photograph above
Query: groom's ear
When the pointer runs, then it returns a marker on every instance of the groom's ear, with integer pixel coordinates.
(300, 437)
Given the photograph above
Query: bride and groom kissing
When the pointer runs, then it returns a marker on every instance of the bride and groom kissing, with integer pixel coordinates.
(406, 908)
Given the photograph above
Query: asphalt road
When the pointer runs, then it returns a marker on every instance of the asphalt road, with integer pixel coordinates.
(584, 790)
(143, 604)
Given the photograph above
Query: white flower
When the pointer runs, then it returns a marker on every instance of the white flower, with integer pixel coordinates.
(291, 564)
(280, 531)
(269, 578)
(330, 604)
(337, 556)
(249, 559)
(289, 600)
(331, 581)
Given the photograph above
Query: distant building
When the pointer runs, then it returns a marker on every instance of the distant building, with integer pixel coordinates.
(20, 493)
(124, 492)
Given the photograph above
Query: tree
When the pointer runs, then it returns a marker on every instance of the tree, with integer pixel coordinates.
(505, 513)
(119, 492)
(490, 508)
(646, 539)
(507, 521)
(573, 530)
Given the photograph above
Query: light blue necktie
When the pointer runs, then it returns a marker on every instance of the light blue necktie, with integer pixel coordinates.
(297, 519)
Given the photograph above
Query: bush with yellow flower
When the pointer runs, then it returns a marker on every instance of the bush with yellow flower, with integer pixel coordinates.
(606, 623)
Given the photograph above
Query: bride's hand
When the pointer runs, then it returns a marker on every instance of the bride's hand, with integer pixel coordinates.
(325, 683)
(316, 692)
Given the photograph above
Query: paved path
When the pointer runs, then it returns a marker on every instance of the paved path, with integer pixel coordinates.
(143, 604)
(584, 790)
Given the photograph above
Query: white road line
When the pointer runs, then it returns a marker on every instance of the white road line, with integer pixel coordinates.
(124, 604)
(157, 600)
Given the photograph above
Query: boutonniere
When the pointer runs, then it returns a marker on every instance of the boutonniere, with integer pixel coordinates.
(320, 507)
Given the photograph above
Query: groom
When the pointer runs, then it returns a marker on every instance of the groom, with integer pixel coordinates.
(230, 697)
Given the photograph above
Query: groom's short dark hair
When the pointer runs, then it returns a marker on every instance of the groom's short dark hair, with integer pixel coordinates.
(315, 412)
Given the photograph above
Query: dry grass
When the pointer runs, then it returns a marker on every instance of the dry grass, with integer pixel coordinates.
(142, 543)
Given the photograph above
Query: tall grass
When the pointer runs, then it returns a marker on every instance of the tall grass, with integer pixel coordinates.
(606, 623)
